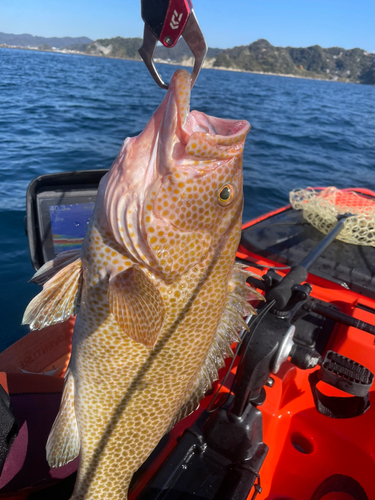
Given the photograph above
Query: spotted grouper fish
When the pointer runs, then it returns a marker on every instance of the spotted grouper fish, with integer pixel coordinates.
(157, 294)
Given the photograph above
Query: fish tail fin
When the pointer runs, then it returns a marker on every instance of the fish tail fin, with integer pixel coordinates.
(59, 298)
(63, 443)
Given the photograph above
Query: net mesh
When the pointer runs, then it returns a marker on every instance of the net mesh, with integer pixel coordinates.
(322, 207)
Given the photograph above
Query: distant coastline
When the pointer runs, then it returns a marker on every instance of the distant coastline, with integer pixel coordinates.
(260, 57)
(206, 65)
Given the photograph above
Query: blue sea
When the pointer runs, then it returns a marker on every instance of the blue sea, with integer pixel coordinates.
(62, 112)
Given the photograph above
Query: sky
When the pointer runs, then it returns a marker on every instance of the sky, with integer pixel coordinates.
(225, 23)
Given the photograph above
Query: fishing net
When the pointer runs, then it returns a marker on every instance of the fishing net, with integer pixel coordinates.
(322, 207)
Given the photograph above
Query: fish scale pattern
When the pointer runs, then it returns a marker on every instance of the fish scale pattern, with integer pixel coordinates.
(172, 377)
(124, 391)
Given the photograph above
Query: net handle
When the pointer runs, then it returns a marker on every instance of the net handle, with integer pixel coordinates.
(282, 292)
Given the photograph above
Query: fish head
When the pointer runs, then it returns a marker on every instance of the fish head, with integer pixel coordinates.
(180, 183)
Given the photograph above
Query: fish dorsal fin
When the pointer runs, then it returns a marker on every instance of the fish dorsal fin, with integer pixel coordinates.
(58, 300)
(52, 267)
(137, 305)
(63, 443)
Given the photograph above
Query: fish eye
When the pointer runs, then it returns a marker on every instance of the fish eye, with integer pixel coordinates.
(226, 195)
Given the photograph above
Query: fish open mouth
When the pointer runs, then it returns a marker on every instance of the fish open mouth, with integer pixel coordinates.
(201, 136)
(157, 188)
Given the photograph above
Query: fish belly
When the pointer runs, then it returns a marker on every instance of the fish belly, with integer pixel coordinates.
(125, 404)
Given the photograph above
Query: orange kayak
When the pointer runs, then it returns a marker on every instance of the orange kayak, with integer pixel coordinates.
(290, 419)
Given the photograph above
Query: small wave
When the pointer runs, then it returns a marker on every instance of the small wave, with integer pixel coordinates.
(13, 195)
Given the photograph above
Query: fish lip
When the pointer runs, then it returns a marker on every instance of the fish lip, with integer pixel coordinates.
(220, 128)
(189, 122)
(179, 127)
(210, 142)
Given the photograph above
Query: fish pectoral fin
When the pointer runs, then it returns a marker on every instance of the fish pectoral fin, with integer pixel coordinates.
(137, 305)
(63, 443)
(52, 267)
(58, 300)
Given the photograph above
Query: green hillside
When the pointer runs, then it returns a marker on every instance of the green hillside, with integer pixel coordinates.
(334, 63)
(122, 48)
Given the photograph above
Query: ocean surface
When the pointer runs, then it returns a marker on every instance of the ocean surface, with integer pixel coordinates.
(62, 112)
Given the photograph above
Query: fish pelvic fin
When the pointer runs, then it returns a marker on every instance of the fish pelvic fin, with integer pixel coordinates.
(63, 443)
(137, 305)
(58, 300)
